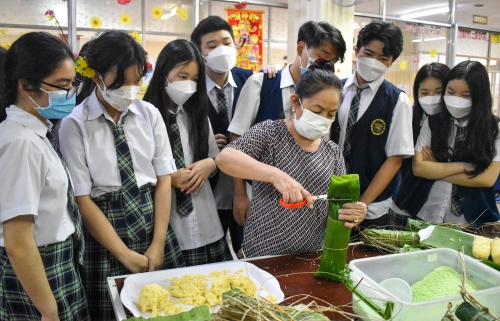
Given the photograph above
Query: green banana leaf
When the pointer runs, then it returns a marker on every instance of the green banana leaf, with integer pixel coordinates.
(449, 238)
(200, 313)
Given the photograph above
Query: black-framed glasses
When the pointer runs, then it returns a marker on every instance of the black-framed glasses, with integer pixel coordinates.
(76, 87)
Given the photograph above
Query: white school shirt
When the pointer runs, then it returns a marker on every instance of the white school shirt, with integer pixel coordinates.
(88, 146)
(248, 103)
(202, 226)
(33, 178)
(224, 190)
(437, 207)
(400, 138)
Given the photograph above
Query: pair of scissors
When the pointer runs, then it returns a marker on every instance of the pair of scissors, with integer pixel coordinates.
(315, 198)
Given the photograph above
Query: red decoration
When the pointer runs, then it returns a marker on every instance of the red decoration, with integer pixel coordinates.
(123, 2)
(241, 5)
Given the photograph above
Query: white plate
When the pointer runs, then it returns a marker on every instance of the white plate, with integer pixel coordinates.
(133, 284)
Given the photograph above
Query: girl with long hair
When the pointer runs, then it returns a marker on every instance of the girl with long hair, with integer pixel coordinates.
(459, 149)
(118, 152)
(178, 90)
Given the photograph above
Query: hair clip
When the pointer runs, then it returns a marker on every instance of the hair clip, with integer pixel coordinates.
(82, 67)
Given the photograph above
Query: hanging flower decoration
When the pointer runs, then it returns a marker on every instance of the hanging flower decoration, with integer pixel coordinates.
(137, 36)
(125, 18)
(3, 31)
(157, 12)
(5, 45)
(123, 2)
(82, 67)
(240, 6)
(50, 14)
(433, 53)
(494, 38)
(182, 13)
(95, 22)
(403, 65)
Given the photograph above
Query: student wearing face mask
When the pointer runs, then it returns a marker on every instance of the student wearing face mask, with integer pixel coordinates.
(427, 90)
(41, 238)
(264, 98)
(460, 150)
(291, 159)
(373, 127)
(118, 152)
(178, 90)
(215, 39)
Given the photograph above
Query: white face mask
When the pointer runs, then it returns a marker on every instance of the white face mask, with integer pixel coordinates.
(221, 59)
(370, 69)
(457, 106)
(311, 125)
(119, 98)
(180, 91)
(310, 61)
(430, 104)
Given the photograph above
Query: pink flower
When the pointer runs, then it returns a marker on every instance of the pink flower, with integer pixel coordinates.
(49, 13)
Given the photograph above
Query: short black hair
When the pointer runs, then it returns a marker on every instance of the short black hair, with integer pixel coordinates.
(115, 49)
(208, 25)
(32, 58)
(387, 32)
(314, 34)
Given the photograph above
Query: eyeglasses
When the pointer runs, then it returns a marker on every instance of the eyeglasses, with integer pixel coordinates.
(76, 87)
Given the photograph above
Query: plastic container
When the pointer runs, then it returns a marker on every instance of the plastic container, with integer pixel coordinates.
(412, 267)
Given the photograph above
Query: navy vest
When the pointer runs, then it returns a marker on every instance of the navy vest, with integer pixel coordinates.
(369, 136)
(410, 192)
(478, 203)
(271, 100)
(240, 76)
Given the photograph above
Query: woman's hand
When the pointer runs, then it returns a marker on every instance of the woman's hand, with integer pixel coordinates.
(180, 177)
(221, 140)
(353, 214)
(154, 253)
(291, 190)
(198, 174)
(134, 262)
(427, 154)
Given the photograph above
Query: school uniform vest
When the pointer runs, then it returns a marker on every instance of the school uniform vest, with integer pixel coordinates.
(474, 201)
(411, 192)
(271, 100)
(369, 137)
(240, 76)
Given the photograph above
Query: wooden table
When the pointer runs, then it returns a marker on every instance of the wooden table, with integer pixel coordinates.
(293, 272)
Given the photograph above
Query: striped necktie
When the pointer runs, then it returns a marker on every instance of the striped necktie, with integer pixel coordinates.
(77, 219)
(222, 108)
(353, 116)
(131, 195)
(183, 200)
(456, 207)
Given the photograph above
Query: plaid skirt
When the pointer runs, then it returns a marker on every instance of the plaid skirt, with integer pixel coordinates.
(217, 251)
(101, 264)
(64, 280)
(396, 220)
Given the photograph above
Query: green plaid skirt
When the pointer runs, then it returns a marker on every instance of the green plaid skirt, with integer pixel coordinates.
(101, 264)
(217, 251)
(64, 279)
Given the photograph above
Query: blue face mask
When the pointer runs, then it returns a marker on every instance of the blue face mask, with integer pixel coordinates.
(59, 107)
(309, 62)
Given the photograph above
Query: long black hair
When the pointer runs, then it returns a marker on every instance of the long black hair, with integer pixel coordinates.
(3, 53)
(435, 70)
(31, 58)
(177, 52)
(478, 147)
(113, 50)
(87, 86)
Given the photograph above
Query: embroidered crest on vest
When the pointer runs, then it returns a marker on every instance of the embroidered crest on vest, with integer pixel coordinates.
(378, 127)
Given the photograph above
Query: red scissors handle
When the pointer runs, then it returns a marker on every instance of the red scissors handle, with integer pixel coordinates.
(296, 205)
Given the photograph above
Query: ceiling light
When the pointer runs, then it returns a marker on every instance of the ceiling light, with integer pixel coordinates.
(435, 38)
(425, 12)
